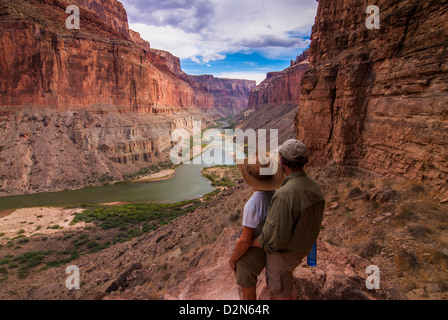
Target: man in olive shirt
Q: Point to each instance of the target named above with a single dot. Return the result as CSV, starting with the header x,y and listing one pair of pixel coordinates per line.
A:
x,y
293,221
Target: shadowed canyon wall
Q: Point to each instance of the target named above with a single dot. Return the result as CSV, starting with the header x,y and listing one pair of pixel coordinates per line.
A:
x,y
377,99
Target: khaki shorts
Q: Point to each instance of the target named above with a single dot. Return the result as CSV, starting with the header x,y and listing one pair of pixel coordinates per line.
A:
x,y
279,269
249,267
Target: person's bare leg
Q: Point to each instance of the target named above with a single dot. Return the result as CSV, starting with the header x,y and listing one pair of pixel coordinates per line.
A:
x,y
249,293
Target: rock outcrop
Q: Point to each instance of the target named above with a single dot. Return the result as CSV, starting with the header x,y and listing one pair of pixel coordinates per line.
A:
x,y
281,88
42,150
44,65
111,12
376,100
103,63
230,96
273,103
83,88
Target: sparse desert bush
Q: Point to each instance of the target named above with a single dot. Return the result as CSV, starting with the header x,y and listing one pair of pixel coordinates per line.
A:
x,y
355,192
417,189
368,249
405,261
419,231
406,213
442,282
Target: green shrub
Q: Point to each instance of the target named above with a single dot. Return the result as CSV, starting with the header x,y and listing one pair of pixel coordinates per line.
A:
x,y
110,217
92,244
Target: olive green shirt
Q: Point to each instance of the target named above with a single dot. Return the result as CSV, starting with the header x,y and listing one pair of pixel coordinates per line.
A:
x,y
295,216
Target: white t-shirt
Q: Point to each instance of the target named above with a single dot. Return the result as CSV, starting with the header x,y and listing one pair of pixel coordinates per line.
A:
x,y
256,209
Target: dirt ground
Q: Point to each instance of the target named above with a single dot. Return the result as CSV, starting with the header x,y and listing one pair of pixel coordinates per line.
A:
x,y
33,221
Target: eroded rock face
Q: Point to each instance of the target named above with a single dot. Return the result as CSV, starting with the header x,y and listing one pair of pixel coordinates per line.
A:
x,y
281,88
111,12
273,103
45,150
230,96
104,63
67,72
377,99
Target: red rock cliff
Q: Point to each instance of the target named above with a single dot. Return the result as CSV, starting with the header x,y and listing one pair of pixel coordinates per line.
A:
x,y
102,64
111,12
230,96
282,87
377,99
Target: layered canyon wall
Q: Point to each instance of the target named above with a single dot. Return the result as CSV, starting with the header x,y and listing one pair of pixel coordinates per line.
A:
x,y
230,96
273,103
79,104
46,65
376,99
282,87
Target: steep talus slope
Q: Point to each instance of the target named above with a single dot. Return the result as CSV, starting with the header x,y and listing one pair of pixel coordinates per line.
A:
x,y
188,259
377,99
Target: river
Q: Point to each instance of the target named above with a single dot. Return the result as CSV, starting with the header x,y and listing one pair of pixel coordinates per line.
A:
x,y
187,183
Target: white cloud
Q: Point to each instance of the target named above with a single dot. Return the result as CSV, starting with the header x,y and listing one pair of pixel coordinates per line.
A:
x,y
206,30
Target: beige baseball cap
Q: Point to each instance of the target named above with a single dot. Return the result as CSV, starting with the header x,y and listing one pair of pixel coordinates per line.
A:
x,y
292,149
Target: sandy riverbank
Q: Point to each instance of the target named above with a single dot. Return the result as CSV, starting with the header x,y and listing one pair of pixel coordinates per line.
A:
x,y
162,175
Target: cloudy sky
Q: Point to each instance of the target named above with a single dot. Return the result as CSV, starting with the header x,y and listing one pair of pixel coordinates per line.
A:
x,y
227,38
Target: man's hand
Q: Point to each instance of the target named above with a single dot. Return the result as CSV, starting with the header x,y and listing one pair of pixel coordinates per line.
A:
x,y
256,243
232,264
244,243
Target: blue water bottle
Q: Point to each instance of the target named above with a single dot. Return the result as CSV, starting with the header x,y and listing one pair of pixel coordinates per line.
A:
x,y
312,257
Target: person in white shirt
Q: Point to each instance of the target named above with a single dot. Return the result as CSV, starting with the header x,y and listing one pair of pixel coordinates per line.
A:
x,y
247,261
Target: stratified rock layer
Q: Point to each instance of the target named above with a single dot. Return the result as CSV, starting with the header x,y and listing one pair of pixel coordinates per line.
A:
x,y
48,66
230,96
377,99
69,99
45,150
103,63
273,103
282,87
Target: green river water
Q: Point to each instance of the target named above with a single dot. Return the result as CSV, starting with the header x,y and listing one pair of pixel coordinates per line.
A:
x,y
187,183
